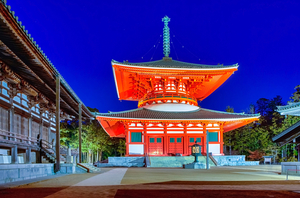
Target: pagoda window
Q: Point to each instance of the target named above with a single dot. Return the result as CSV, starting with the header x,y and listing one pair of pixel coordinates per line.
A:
x,y
172,140
198,140
213,137
192,140
152,140
178,140
136,137
158,140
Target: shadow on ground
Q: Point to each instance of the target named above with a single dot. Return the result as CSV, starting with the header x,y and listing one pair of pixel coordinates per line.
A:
x,y
122,193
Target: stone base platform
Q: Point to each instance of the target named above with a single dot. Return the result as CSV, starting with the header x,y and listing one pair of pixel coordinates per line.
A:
x,y
293,168
234,160
17,172
176,161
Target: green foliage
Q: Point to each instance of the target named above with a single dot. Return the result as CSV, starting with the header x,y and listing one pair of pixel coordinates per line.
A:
x,y
257,136
94,139
229,109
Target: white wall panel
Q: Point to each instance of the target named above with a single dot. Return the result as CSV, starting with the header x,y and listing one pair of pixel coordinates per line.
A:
x,y
214,148
136,149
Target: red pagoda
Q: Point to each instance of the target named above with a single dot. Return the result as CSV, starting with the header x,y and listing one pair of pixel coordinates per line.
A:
x,y
168,119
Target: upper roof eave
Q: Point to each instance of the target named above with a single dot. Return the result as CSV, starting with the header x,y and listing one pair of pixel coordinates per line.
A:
x,y
174,64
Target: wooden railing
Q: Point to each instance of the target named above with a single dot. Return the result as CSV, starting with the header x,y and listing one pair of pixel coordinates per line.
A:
x,y
10,137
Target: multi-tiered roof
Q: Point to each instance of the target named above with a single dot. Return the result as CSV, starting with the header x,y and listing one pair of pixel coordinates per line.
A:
x,y
168,91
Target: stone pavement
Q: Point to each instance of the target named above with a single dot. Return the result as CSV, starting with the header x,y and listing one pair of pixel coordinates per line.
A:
x,y
251,181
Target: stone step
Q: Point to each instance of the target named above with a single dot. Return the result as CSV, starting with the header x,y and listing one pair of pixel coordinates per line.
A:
x,y
176,161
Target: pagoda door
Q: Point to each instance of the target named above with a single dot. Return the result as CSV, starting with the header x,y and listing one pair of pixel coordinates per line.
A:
x,y
192,142
175,145
155,146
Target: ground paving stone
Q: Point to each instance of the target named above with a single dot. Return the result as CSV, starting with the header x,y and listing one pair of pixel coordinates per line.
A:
x,y
254,181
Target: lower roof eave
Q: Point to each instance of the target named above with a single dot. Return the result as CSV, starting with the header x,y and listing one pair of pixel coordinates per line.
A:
x,y
176,120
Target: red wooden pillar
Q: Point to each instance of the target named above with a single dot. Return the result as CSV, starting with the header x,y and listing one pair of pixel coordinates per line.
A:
x,y
127,137
185,142
145,139
165,139
204,137
221,139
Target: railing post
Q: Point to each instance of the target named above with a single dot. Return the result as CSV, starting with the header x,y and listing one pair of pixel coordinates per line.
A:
x,y
57,165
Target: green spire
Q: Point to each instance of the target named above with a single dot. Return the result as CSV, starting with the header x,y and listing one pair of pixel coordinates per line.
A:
x,y
166,38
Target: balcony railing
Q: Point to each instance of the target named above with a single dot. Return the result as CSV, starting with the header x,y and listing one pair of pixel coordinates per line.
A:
x,y
167,97
15,138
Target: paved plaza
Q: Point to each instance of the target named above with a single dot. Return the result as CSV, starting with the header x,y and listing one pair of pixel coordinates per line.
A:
x,y
247,181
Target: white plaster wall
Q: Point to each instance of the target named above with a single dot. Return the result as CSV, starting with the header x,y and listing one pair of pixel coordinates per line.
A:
x,y
136,149
171,107
214,148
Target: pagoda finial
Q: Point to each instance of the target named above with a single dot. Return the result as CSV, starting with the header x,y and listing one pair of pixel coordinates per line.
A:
x,y
166,38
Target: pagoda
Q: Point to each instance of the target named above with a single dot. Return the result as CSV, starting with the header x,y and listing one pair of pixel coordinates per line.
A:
x,y
168,119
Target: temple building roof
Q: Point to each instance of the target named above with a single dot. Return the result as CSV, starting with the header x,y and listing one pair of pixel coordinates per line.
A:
x,y
293,108
289,135
167,62
199,114
26,59
112,122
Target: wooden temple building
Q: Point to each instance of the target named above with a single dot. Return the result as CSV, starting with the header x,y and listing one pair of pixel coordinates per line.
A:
x,y
34,97
168,119
291,134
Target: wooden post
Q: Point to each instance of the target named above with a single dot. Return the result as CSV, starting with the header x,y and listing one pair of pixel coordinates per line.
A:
x,y
80,128
145,139
204,137
28,155
185,140
221,139
14,155
207,149
166,148
57,114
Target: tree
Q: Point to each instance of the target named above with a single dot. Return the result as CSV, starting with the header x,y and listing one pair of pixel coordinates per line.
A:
x,y
94,139
229,109
296,95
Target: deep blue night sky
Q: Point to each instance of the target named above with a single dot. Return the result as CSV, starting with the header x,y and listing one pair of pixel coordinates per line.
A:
x,y
82,37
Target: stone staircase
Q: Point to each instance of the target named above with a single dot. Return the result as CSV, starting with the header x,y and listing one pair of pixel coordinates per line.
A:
x,y
174,161
89,167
